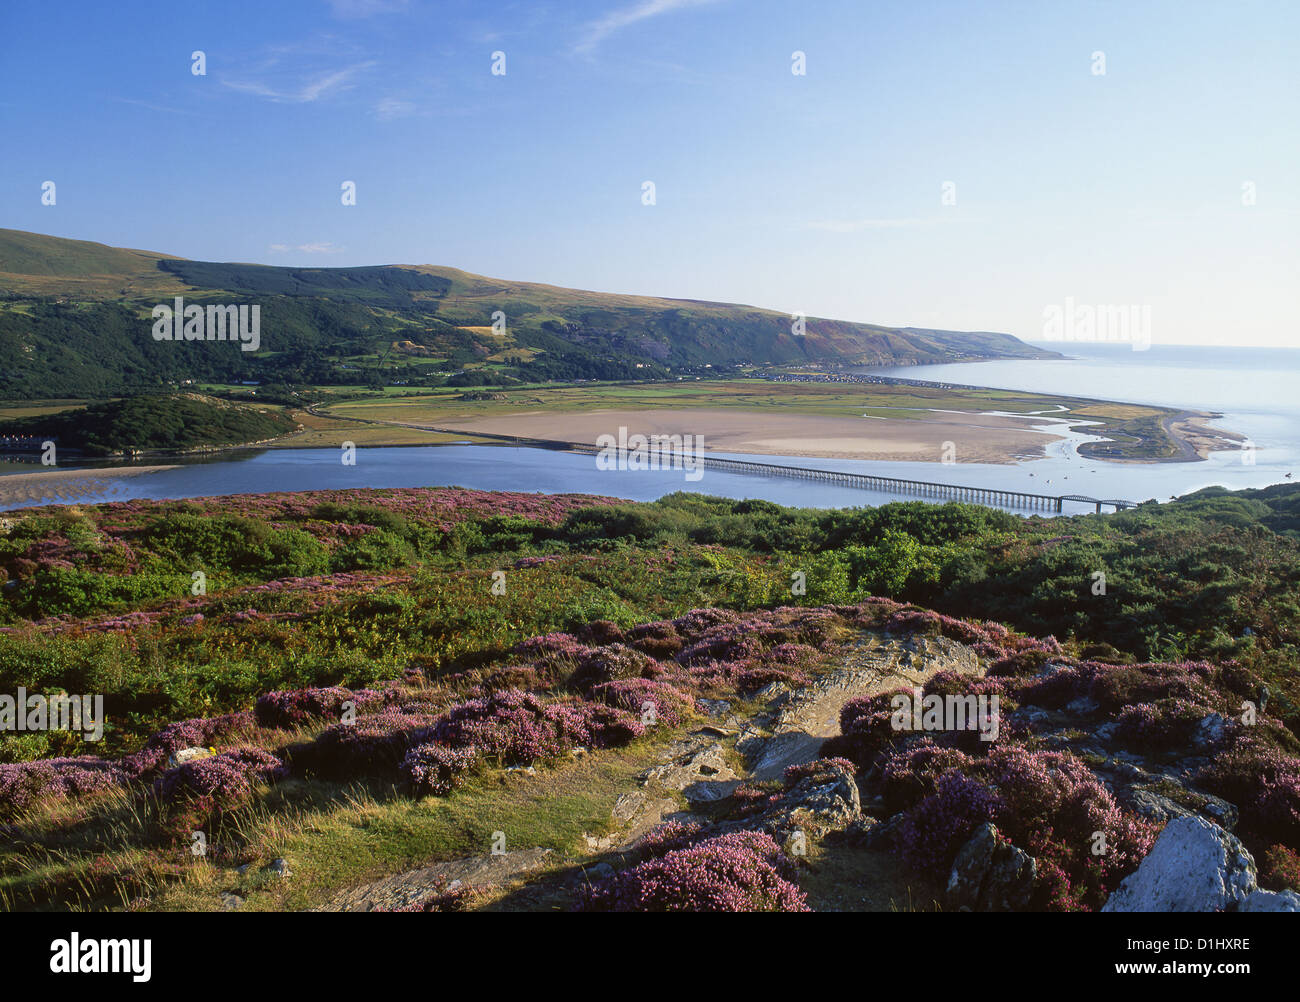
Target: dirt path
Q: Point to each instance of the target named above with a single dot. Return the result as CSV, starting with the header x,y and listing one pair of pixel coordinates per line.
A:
x,y
705,766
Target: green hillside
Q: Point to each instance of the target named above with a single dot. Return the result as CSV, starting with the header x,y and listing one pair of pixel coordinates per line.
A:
x,y
163,423
75,321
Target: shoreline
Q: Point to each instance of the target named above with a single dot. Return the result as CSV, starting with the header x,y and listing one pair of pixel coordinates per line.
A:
x,y
72,485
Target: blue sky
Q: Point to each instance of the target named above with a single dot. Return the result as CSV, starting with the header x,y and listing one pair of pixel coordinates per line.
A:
x,y
819,193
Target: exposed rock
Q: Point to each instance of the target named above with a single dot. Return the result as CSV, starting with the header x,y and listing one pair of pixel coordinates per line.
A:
x,y
1209,732
1151,805
1219,810
474,872
700,772
991,875
1261,900
230,902
184,755
884,834
812,714
817,805
1159,805
279,867
1195,866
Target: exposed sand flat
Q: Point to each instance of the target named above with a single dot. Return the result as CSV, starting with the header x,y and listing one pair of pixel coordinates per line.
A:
x,y
976,438
66,486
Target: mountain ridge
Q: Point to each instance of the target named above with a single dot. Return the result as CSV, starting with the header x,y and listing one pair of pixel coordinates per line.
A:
x,y
68,304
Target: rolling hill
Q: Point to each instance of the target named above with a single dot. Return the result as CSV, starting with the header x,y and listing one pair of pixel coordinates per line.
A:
x,y
75,321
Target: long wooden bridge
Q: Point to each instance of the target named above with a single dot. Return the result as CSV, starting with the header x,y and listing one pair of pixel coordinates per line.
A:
x,y
998,496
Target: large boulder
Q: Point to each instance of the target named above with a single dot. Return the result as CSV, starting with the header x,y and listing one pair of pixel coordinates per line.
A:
x,y
991,875
1195,866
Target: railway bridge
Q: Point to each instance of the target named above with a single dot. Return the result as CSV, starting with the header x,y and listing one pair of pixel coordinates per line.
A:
x,y
999,496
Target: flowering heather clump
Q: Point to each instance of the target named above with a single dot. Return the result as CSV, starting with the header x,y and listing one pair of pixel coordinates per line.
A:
x,y
670,704
535,675
821,768
563,645
437,769
914,621
296,707
753,679
1164,724
1051,804
747,799
933,830
519,727
666,837
792,655
1279,869
1019,664
601,631
912,773
23,784
1263,782
739,872
1046,803
375,743
1115,687
607,664
205,789
697,621
198,732
717,675
731,642
866,729
786,662
659,640
955,683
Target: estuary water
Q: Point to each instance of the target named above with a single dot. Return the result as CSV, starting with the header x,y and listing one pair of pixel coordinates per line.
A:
x,y
1255,389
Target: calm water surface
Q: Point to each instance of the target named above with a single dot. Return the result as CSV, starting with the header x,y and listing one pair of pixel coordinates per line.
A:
x,y
1253,388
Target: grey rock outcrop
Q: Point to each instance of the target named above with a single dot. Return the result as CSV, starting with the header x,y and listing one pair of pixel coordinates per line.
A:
x,y
991,875
1195,866
1261,900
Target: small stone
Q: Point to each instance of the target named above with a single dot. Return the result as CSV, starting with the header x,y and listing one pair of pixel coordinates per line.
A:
x,y
190,754
280,868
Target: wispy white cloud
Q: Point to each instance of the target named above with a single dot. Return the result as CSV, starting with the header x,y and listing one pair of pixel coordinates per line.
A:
x,y
595,32
320,247
151,107
303,91
393,107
